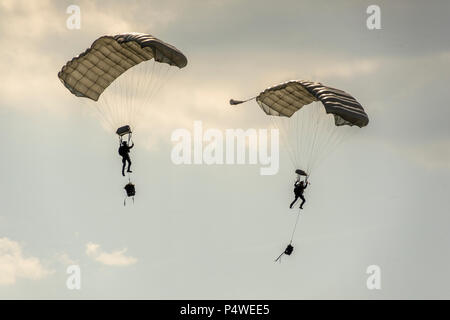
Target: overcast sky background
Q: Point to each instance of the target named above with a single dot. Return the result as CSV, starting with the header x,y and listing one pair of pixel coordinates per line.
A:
x,y
212,232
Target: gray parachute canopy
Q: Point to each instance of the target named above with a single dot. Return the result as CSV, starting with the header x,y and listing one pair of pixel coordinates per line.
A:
x,y
91,72
287,98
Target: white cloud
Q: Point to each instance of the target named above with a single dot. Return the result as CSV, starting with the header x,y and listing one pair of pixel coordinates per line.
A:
x,y
92,249
14,265
65,259
115,258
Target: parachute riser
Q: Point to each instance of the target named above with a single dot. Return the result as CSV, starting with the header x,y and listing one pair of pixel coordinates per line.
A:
x,y
128,139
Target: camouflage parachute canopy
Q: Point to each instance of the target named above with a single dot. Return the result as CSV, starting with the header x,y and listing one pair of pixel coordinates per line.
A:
x,y
287,98
91,72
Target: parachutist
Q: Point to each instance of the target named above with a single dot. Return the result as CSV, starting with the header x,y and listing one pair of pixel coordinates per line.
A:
x,y
299,187
307,130
124,151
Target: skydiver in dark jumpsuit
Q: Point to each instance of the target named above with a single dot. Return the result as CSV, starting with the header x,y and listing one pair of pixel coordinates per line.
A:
x,y
299,187
124,151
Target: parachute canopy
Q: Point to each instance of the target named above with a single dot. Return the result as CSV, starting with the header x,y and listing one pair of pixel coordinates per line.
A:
x,y
287,98
91,72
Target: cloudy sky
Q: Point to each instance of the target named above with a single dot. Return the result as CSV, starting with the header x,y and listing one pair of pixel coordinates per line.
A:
x,y
198,231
